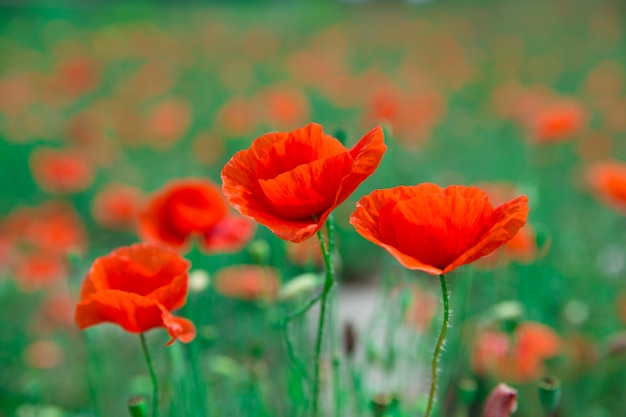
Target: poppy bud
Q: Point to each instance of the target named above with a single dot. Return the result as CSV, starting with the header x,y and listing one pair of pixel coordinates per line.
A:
x,y
466,390
349,339
138,406
502,401
549,393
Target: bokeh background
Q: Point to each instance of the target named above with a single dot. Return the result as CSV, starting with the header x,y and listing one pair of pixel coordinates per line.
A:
x,y
101,104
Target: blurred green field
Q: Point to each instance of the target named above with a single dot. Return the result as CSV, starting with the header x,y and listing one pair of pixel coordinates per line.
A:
x,y
529,94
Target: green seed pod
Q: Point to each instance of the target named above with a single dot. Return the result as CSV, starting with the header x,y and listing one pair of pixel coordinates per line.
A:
x,y
138,406
549,393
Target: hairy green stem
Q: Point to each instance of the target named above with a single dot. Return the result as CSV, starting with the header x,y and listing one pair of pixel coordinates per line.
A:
x,y
442,336
153,376
328,286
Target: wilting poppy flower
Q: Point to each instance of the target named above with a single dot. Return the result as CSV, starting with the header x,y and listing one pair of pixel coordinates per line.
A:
x,y
608,182
117,206
60,171
436,230
518,357
247,282
292,181
137,287
190,208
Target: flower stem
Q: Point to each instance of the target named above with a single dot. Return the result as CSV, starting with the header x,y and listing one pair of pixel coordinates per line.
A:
x,y
328,286
155,383
444,329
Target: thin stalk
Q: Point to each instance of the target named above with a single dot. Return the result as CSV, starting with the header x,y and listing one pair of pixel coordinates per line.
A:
x,y
328,286
442,336
153,376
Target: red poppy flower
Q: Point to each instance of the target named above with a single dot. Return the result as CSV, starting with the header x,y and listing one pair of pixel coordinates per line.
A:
x,y
518,357
247,282
436,230
608,181
292,181
117,206
60,171
193,208
137,287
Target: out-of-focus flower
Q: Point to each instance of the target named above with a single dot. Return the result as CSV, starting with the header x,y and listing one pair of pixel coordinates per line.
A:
x,y
35,271
501,402
54,227
137,287
44,354
56,311
247,282
238,117
608,182
168,122
117,206
285,107
292,181
556,123
305,253
518,357
189,208
77,76
421,310
60,171
207,148
436,230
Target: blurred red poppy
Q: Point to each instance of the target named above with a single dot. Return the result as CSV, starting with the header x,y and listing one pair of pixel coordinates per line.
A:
x,y
117,206
189,208
556,123
168,122
39,270
247,282
60,171
436,230
608,182
292,181
518,357
53,227
422,309
307,253
137,287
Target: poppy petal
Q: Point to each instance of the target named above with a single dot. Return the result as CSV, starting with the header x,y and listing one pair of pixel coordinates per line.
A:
x,y
178,328
132,312
507,220
307,190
